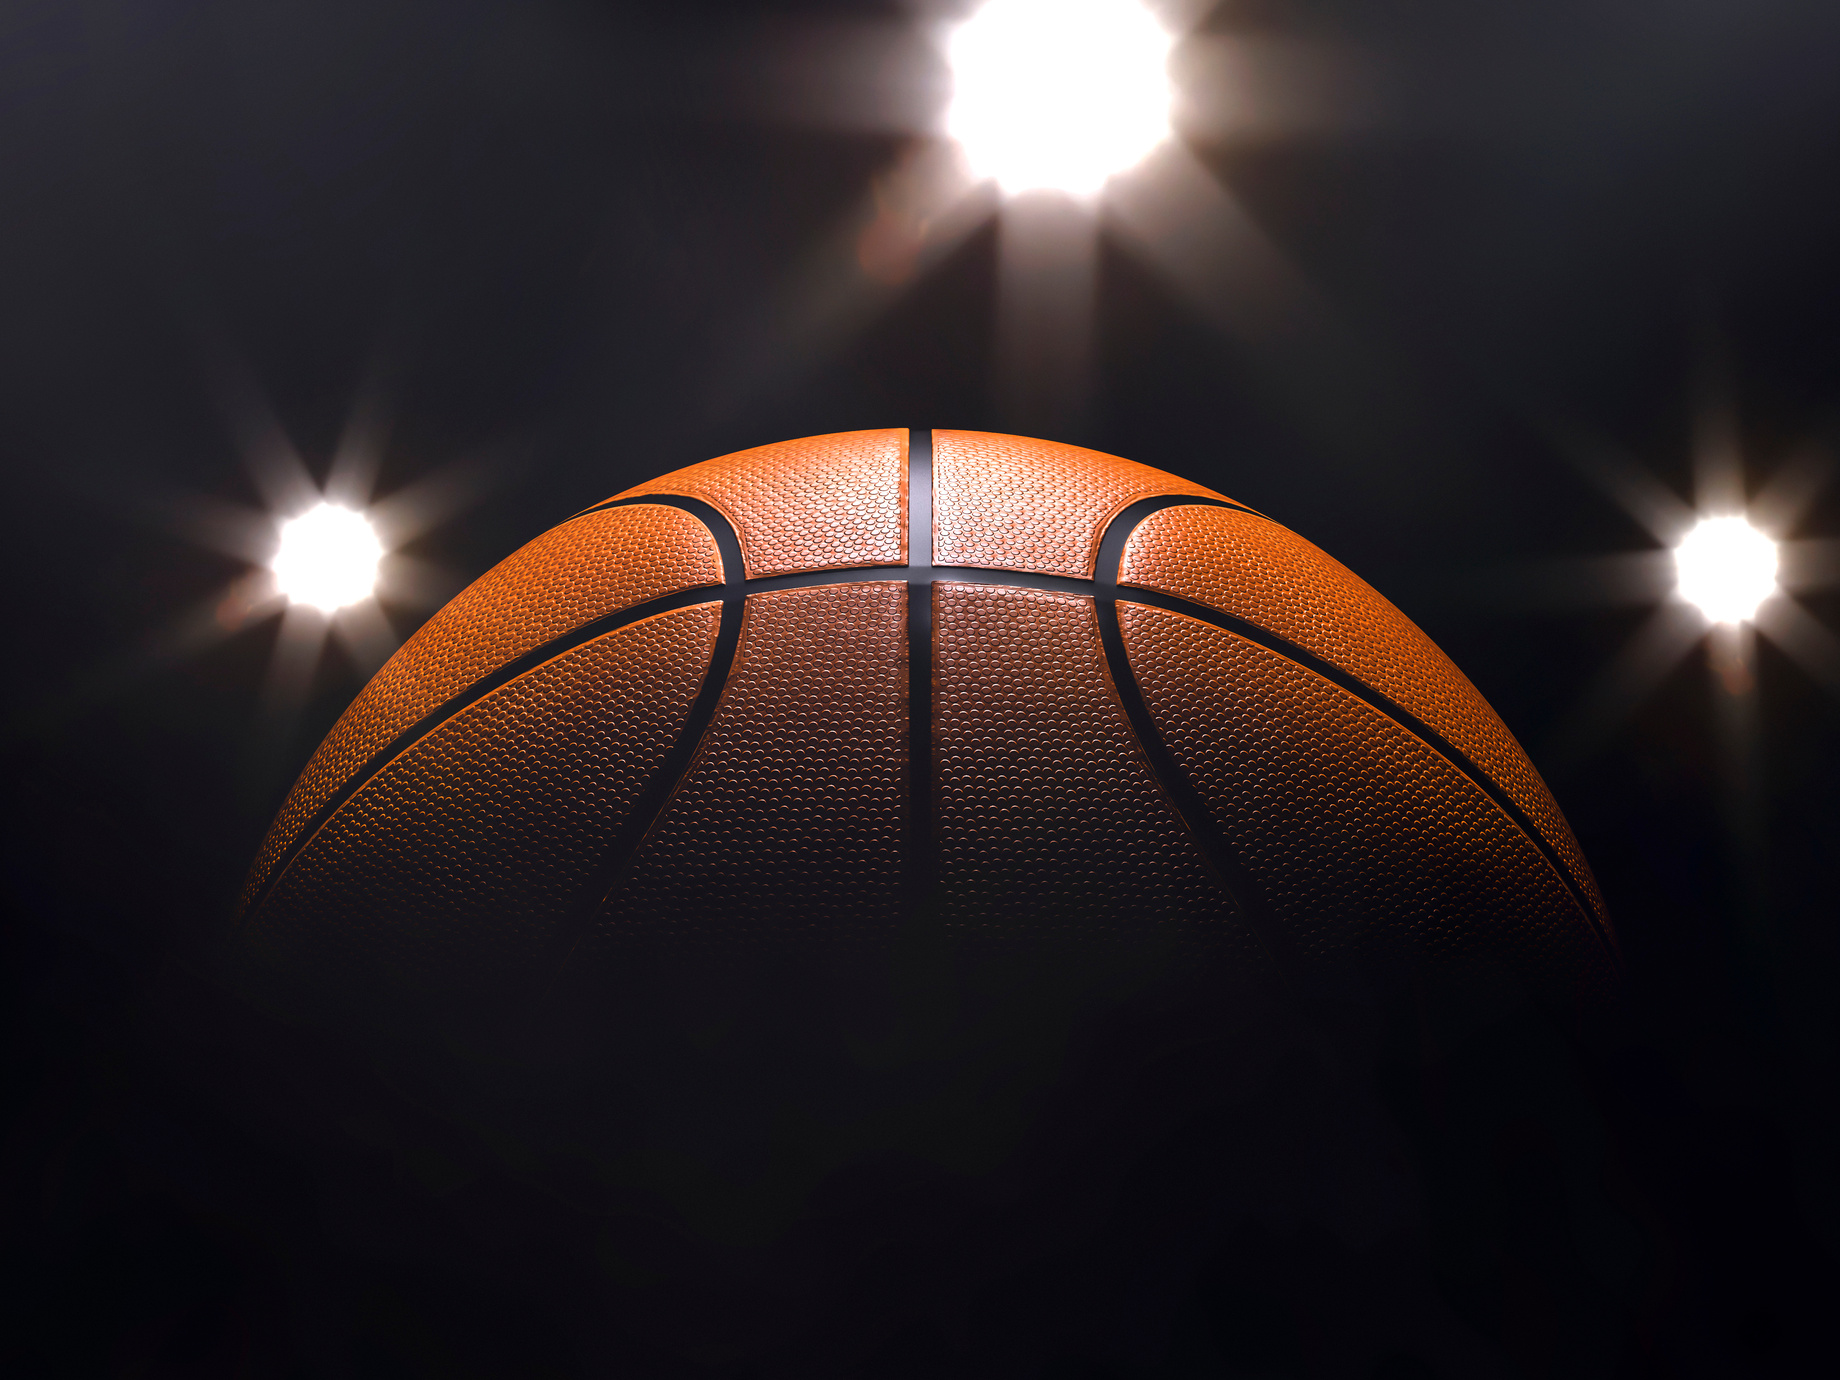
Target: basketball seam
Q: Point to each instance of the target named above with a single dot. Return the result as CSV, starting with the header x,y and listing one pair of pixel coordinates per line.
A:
x,y
1103,588
922,863
1106,573
1429,736
1190,807
510,671
611,623
679,760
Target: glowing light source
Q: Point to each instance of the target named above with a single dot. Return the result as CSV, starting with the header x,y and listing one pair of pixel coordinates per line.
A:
x,y
1726,568
1058,94
327,558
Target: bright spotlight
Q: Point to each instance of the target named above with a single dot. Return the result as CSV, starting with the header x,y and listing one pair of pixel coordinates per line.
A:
x,y
328,558
1726,568
1058,94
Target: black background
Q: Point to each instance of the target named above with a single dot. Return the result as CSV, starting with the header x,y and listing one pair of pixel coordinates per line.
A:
x,y
549,243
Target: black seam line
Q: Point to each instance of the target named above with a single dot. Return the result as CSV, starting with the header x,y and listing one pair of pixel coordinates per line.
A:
x,y
1111,557
1400,715
1189,804
1125,520
728,545
728,548
735,590
921,861
679,759
600,627
478,690
1186,799
1161,501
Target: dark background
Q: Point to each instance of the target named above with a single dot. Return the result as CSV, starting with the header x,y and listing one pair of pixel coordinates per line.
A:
x,y
549,244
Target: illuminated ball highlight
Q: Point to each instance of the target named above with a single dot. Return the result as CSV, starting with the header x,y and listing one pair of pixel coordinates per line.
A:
x,y
1058,94
1726,568
328,558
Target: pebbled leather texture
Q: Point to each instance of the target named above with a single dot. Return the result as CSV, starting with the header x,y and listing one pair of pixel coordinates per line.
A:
x,y
1012,503
588,567
692,927
1048,815
817,504
791,820
462,857
1257,570
781,810
1363,840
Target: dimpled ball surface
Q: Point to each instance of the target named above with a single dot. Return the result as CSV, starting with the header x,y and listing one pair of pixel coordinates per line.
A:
x,y
863,691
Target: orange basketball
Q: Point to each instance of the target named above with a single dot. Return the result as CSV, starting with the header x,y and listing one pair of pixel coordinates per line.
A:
x,y
824,694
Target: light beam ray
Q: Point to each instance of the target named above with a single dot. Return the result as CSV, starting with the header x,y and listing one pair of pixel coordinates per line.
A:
x,y
425,503
1245,88
1718,464
1175,214
270,754
1732,655
366,636
280,474
419,584
1809,564
1786,494
230,528
1047,285
1630,577
351,477
1806,640
190,633
1176,217
1645,660
926,206
1661,512
289,678
858,75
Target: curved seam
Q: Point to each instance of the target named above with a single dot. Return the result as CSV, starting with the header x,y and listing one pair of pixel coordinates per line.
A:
x,y
1152,503
1112,546
1190,806
679,761
728,549
726,524
579,636
721,529
680,758
515,669
1104,588
693,505
1375,699
686,753
1407,720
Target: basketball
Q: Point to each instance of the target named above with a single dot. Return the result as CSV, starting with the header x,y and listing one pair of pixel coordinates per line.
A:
x,y
809,691
895,833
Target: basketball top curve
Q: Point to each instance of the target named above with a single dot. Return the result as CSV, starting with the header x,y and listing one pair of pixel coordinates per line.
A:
x,y
819,691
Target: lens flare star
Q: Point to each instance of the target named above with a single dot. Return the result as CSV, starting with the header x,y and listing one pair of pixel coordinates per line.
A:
x,y
327,558
1721,582
1726,568
1058,95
